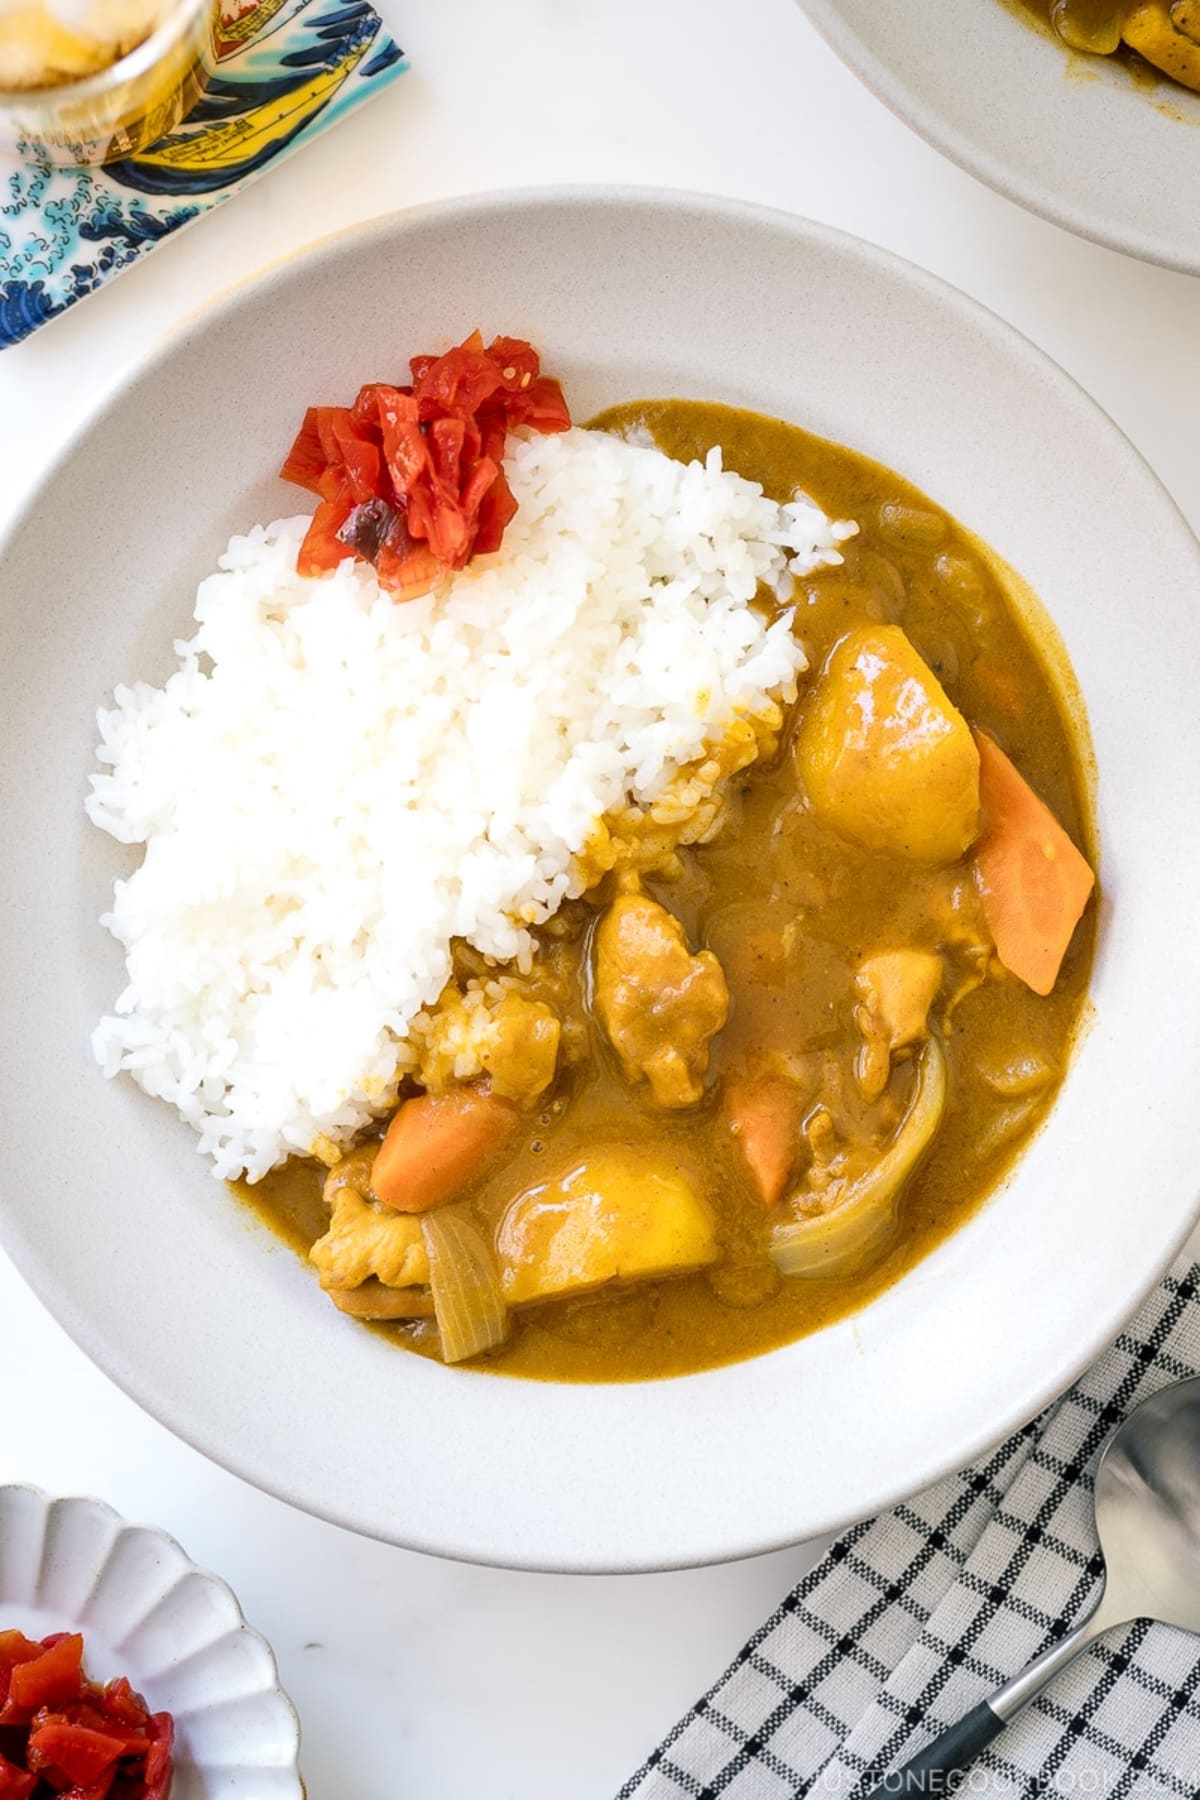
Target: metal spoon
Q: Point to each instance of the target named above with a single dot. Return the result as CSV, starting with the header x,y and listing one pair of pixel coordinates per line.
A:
x,y
1147,1504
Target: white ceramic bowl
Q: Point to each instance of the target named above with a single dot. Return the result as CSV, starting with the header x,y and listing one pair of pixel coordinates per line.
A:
x,y
145,1611
1070,137
222,1333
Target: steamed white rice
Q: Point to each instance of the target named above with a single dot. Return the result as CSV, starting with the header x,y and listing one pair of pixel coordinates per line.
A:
x,y
332,786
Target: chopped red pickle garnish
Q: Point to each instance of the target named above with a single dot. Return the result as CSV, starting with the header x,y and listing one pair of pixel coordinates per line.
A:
x,y
63,1735
411,479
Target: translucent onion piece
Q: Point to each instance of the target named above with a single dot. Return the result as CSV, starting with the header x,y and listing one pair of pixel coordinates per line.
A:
x,y
861,1221
465,1283
1093,26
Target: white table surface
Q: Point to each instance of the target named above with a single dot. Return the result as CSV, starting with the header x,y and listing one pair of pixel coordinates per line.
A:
x,y
416,1677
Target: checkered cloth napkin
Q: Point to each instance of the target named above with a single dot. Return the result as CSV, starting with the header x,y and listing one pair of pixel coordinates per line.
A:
x,y
914,1617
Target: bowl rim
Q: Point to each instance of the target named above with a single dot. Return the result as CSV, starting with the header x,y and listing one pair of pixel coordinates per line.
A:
x,y
1023,1401
874,73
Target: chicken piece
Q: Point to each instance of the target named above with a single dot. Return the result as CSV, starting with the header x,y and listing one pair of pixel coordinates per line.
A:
x,y
377,1303
658,1003
489,1029
883,754
1163,34
523,1054
368,1247
620,1215
352,1170
896,989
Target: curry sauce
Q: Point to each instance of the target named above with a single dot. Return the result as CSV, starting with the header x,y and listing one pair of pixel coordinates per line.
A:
x,y
790,907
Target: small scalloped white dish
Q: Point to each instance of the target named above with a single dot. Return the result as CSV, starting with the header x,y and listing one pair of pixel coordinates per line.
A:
x,y
147,1612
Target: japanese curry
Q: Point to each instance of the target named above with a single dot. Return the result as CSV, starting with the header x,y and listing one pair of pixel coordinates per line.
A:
x,y
802,1022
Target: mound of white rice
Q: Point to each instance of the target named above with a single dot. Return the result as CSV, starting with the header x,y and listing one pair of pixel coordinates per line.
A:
x,y
332,786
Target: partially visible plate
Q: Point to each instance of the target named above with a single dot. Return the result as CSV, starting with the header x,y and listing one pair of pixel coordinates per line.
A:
x,y
1070,137
147,1612
221,1332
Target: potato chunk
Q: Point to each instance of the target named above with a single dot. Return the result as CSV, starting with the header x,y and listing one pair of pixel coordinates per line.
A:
x,y
1157,32
883,754
658,1003
618,1215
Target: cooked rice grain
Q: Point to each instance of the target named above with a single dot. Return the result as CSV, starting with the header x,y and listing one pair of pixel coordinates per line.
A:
x,y
331,786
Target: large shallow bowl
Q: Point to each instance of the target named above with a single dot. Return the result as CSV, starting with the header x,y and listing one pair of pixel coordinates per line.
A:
x,y
224,1335
177,1633
1071,137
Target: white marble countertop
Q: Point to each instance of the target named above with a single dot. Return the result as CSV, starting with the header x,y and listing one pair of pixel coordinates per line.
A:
x,y
416,1677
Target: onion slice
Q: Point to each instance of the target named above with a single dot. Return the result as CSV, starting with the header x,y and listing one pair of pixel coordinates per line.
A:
x,y
465,1284
863,1216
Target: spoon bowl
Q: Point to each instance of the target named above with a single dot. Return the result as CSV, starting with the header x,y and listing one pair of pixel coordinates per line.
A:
x,y
1147,1500
1147,1506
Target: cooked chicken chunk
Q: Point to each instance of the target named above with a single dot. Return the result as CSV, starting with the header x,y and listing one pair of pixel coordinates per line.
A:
x,y
490,1029
523,1054
621,1215
896,990
658,1003
372,1261
375,1302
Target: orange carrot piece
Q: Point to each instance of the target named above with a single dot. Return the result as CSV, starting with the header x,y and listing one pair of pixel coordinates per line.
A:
x,y
764,1116
436,1143
1035,883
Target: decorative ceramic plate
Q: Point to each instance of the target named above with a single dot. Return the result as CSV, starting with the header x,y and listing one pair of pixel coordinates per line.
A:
x,y
1071,137
145,1611
222,1332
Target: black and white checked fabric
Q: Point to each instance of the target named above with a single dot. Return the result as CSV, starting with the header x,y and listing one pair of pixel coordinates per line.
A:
x,y
915,1616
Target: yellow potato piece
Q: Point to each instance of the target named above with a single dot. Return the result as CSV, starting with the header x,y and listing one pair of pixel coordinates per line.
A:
x,y
1151,30
883,754
618,1215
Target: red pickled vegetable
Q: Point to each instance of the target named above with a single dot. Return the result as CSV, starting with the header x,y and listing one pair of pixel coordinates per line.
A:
x,y
322,548
46,1680
410,479
15,1783
64,1736
157,1774
15,1648
83,1755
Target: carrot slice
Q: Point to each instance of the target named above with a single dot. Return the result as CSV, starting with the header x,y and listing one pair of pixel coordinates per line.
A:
x,y
764,1116
1034,882
437,1142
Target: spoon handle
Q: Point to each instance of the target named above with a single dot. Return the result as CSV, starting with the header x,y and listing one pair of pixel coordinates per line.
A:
x,y
958,1746
955,1749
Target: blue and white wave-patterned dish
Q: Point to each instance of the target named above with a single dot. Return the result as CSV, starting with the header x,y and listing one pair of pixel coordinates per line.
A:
x,y
285,70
